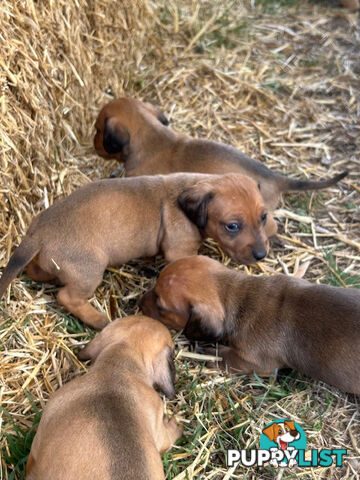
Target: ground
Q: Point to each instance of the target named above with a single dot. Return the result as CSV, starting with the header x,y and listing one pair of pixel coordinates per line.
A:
x,y
278,80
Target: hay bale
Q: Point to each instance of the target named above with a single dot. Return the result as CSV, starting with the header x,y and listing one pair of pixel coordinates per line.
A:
x,y
279,80
60,61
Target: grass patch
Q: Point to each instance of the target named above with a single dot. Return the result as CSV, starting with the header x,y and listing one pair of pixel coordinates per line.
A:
x,y
351,280
275,86
229,414
19,440
273,6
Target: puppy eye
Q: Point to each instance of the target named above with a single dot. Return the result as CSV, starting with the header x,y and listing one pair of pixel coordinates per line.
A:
x,y
263,218
233,227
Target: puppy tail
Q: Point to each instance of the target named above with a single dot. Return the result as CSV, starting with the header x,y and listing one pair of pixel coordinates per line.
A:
x,y
23,254
288,184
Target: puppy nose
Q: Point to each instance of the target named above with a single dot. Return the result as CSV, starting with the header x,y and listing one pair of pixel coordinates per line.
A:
x,y
259,254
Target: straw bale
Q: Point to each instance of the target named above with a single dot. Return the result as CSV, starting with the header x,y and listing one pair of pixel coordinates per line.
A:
x,y
278,79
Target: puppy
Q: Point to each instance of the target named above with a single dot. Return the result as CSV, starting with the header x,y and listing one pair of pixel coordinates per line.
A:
x,y
110,423
267,322
110,222
137,134
282,433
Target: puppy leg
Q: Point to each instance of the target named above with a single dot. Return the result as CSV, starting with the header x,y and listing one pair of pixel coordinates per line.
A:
x,y
76,302
172,432
233,362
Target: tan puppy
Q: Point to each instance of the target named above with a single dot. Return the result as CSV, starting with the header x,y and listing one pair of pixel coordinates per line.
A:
x,y
110,423
136,133
110,222
267,322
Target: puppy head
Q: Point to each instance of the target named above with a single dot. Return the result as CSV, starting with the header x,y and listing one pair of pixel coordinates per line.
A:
x,y
186,297
230,209
118,123
148,341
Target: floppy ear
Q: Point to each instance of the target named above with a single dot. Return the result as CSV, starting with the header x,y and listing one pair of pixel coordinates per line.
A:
x,y
271,432
194,203
164,372
116,137
205,323
290,424
92,349
271,226
148,305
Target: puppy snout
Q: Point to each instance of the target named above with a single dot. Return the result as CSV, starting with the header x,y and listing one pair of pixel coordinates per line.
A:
x,y
259,254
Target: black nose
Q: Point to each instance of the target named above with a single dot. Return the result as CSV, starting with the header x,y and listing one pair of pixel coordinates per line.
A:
x,y
259,254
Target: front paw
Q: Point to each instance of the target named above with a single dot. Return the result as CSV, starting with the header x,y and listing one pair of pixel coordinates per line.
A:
x,y
175,428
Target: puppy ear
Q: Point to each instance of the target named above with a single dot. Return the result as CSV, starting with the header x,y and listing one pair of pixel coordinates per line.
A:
x,y
271,432
148,305
291,424
164,372
116,137
205,323
92,349
271,226
194,204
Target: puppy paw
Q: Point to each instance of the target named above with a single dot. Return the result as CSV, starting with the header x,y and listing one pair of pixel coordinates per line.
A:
x,y
98,321
174,429
178,429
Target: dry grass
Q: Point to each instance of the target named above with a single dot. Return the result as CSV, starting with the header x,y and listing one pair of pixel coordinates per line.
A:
x,y
280,80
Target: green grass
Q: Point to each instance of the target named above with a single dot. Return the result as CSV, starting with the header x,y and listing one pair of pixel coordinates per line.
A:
x,y
221,415
300,202
72,325
275,86
273,6
19,440
227,37
350,206
351,280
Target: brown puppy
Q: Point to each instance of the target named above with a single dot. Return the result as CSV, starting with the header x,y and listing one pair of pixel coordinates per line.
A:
x,y
267,322
136,133
110,222
110,423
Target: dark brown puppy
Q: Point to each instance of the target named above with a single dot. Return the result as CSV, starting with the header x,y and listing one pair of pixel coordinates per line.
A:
x,y
110,222
110,423
267,322
136,133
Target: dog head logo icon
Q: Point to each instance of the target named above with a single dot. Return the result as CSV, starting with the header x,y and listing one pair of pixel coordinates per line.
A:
x,y
282,438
